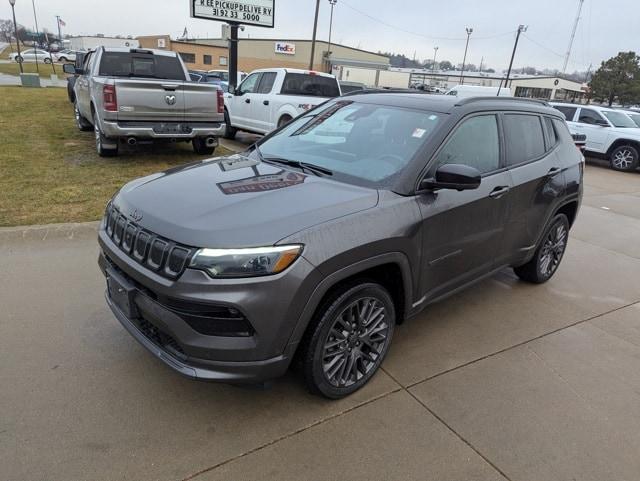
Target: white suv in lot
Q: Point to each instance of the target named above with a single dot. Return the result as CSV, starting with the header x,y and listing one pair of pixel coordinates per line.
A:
x,y
610,133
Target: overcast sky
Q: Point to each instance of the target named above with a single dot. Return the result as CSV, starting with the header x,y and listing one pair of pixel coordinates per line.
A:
x,y
606,26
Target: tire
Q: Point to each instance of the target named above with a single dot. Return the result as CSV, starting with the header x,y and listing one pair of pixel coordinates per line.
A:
x,y
82,123
326,359
284,120
47,60
624,158
200,147
19,59
548,255
62,59
100,140
230,132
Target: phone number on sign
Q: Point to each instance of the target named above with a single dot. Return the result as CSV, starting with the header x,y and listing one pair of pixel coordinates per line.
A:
x,y
231,14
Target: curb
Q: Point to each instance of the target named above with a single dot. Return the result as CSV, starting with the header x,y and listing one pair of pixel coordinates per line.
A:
x,y
78,230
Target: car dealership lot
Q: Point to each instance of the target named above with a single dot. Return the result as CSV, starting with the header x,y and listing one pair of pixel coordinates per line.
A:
x,y
503,381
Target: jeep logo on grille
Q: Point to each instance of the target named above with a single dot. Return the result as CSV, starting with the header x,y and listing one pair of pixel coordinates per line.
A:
x,y
137,216
170,99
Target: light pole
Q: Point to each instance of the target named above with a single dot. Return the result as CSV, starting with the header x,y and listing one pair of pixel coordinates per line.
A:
x,y
333,4
521,28
313,39
35,18
15,28
433,66
464,60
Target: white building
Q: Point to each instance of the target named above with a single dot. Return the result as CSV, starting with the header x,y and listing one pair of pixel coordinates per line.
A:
x,y
86,43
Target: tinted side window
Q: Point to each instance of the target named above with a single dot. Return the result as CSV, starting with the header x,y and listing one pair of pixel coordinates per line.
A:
x,y
313,85
524,138
551,133
474,143
266,82
588,116
568,112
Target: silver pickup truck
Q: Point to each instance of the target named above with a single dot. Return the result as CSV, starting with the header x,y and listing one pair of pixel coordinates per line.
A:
x,y
132,95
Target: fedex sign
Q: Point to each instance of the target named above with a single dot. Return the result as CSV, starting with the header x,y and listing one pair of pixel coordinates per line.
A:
x,y
286,48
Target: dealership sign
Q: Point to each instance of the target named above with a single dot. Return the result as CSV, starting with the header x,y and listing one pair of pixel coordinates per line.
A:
x,y
249,12
286,48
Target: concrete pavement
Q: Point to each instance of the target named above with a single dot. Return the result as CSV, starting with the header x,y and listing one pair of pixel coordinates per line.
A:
x,y
503,381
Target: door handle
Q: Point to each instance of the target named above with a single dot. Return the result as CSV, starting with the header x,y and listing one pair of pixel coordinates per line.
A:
x,y
553,172
265,102
247,101
499,192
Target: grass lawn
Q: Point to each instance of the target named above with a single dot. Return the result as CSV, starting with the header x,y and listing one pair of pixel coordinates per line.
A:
x,y
30,67
50,171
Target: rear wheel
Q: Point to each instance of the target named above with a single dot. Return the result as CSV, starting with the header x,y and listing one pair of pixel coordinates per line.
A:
x,y
19,59
284,120
348,340
230,132
111,149
624,158
548,256
47,60
82,123
200,147
62,59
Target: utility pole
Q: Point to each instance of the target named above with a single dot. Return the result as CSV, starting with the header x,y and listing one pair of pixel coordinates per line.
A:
x,y
573,36
59,30
313,39
35,18
521,28
481,62
15,28
464,60
433,66
586,77
333,4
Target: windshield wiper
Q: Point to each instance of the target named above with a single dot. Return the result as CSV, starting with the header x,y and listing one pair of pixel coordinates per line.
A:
x,y
314,169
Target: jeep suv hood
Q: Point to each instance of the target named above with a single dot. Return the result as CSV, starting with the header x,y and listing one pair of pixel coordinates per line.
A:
x,y
237,202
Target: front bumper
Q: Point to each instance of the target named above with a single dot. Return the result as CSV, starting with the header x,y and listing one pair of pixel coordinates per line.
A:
x,y
153,130
272,305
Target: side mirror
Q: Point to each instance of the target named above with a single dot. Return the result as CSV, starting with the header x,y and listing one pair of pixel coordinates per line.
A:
x,y
454,176
70,69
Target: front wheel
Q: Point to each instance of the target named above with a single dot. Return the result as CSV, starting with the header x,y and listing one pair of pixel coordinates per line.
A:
x,y
348,340
47,60
62,59
19,59
624,158
547,258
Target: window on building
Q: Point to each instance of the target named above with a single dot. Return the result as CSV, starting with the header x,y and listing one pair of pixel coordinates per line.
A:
x,y
188,57
206,59
533,93
524,138
475,143
223,61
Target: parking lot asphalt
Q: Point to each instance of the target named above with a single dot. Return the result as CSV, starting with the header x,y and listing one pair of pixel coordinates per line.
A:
x,y
503,381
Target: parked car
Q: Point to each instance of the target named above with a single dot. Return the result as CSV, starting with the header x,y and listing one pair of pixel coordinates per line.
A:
x,y
304,248
224,75
611,134
71,79
31,55
270,98
206,77
464,91
65,55
137,94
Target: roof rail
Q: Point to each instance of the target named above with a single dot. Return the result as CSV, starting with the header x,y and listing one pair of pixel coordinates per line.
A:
x,y
469,100
383,91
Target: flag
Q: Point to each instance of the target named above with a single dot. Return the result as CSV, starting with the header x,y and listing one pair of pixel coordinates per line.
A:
x,y
62,22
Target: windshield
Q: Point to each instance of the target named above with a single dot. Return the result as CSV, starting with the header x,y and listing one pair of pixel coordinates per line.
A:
x,y
635,117
360,143
618,119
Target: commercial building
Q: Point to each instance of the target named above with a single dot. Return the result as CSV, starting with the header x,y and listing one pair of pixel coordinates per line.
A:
x,y
196,56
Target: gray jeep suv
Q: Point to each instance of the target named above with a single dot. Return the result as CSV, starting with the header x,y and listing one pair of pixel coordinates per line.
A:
x,y
328,232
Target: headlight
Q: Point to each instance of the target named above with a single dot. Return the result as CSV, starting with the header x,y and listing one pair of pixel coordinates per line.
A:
x,y
255,261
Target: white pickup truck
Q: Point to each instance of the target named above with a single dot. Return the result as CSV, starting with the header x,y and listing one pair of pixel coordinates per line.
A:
x,y
270,98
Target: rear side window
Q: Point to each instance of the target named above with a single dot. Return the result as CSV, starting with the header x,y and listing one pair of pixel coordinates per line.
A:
x,y
551,133
569,112
310,85
562,130
266,82
524,138
475,143
128,64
